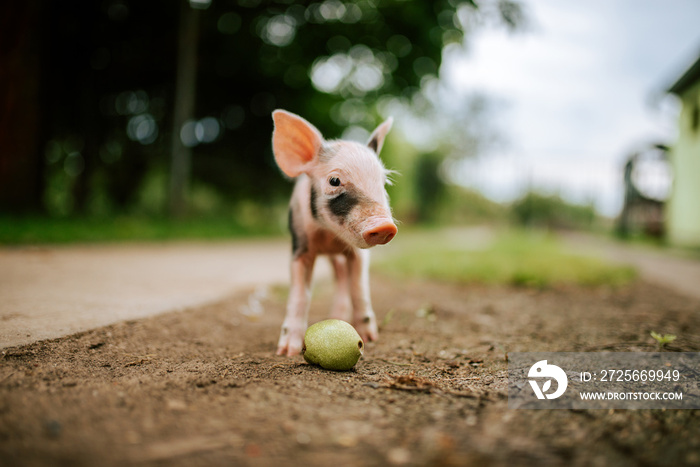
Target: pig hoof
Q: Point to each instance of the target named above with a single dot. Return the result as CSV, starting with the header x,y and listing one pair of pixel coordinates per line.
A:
x,y
289,349
367,329
290,342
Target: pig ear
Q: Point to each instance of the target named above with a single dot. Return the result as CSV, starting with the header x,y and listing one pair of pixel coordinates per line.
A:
x,y
376,139
295,142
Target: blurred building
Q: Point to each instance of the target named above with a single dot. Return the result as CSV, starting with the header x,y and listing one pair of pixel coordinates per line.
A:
x,y
683,211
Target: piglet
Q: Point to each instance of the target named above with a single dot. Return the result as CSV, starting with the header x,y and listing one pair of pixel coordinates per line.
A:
x,y
339,208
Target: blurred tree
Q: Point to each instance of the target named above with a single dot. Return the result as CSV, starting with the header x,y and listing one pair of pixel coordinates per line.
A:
x,y
429,186
105,93
107,89
185,92
20,52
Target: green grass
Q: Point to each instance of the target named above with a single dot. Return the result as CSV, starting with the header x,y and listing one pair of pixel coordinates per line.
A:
x,y
47,230
523,258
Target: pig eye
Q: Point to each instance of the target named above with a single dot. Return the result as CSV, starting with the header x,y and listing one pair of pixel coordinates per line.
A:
x,y
334,181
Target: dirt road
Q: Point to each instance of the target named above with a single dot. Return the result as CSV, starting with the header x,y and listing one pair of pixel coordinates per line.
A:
x,y
49,292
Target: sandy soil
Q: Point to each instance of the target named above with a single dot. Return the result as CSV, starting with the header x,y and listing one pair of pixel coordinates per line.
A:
x,y
202,386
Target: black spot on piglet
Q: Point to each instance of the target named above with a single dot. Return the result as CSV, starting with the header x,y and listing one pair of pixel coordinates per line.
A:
x,y
342,204
312,203
298,239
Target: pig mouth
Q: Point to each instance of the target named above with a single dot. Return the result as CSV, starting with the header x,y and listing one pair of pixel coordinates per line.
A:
x,y
351,237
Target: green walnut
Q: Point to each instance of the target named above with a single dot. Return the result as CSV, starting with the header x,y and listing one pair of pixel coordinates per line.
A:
x,y
332,344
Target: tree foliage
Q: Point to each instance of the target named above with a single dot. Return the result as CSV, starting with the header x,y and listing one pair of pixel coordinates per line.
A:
x,y
107,85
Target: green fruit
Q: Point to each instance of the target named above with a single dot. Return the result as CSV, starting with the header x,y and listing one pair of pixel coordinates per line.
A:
x,y
332,344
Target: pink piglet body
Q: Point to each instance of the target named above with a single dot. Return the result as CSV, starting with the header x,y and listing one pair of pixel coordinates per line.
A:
x,y
340,208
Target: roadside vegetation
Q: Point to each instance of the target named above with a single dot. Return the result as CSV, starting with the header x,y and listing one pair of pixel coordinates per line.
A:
x,y
520,257
34,230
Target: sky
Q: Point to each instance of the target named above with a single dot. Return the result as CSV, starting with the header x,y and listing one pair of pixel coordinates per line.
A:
x,y
575,93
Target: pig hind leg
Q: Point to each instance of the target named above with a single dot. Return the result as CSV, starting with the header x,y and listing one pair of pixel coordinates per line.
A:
x,y
341,299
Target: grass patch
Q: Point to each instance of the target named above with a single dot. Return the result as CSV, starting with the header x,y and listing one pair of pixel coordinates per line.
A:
x,y
523,258
47,230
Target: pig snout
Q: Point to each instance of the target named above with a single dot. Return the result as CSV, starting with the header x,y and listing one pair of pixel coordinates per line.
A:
x,y
379,233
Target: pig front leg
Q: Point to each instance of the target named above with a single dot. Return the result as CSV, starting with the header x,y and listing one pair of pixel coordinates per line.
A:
x,y
341,299
295,321
363,318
